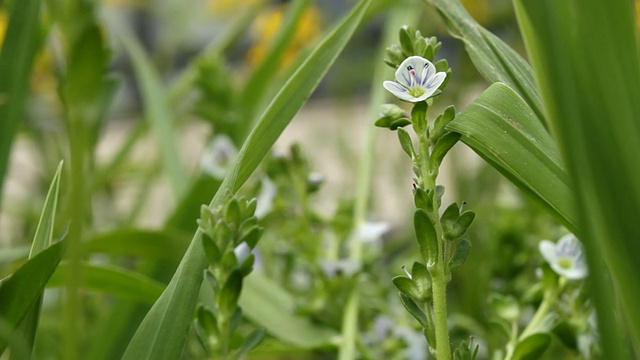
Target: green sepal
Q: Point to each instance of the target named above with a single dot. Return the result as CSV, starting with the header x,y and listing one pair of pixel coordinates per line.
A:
x,y
462,224
399,123
250,208
422,279
415,310
230,293
247,226
222,235
394,55
406,286
406,143
461,253
449,218
406,40
207,327
506,307
532,347
211,280
441,65
250,342
442,147
419,117
229,261
420,46
438,126
233,213
236,320
426,236
247,265
422,199
252,236
211,250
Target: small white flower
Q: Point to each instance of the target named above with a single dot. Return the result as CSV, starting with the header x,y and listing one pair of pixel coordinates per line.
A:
x,y
416,80
219,156
242,252
371,232
565,257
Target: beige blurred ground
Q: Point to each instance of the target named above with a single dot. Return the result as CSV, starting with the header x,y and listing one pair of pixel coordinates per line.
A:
x,y
332,134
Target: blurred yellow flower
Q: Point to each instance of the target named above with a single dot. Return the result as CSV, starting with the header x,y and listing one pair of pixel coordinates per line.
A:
x,y
3,24
268,23
229,6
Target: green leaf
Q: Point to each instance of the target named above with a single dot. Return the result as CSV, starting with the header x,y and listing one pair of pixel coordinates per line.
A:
x,y
267,304
161,334
426,235
125,284
158,113
230,293
503,130
532,347
460,255
253,339
594,111
406,143
406,286
414,310
495,61
16,59
23,288
146,244
442,147
42,239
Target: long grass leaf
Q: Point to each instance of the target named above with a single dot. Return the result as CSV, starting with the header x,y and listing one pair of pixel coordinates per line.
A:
x,y
162,333
504,131
589,78
158,113
495,61
23,288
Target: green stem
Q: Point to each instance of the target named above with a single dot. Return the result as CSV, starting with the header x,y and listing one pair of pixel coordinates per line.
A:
x,y
550,296
438,278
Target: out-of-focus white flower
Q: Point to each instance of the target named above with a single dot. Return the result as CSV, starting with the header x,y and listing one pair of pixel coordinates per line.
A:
x,y
345,267
416,80
242,252
371,232
565,257
265,198
219,156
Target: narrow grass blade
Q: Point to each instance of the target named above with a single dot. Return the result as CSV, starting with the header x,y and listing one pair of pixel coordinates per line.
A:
x,y
158,113
125,284
16,59
163,331
22,289
589,78
42,239
495,61
504,131
145,244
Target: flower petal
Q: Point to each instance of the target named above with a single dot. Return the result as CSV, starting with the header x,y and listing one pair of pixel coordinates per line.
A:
x,y
548,251
399,91
435,81
403,73
428,71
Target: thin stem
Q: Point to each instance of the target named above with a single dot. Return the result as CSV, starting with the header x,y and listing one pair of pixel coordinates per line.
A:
x,y
550,296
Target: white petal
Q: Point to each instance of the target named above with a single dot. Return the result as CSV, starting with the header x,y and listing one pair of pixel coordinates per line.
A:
x,y
399,91
428,71
218,157
548,251
268,192
417,63
372,231
436,81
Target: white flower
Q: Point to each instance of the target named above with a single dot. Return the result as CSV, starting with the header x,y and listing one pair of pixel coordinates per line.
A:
x,y
219,156
416,80
266,196
370,232
565,257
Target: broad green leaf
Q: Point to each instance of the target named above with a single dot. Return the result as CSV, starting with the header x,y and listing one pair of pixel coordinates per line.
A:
x,y
16,58
158,113
495,60
125,284
42,239
266,303
504,131
589,77
146,244
162,333
23,288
